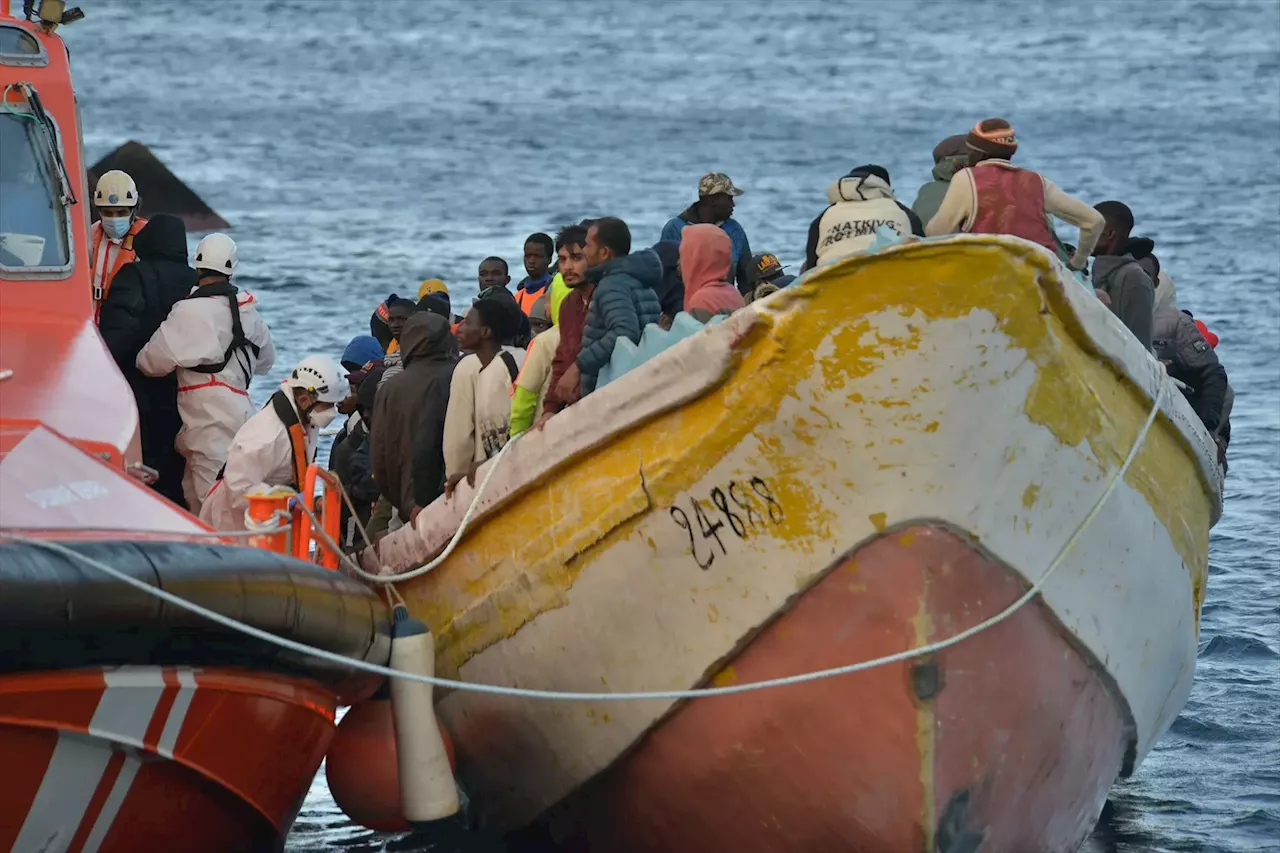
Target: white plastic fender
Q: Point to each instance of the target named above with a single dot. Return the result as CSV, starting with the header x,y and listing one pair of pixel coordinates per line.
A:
x,y
427,788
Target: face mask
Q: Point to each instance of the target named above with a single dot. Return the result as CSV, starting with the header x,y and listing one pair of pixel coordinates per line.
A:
x,y
115,227
321,418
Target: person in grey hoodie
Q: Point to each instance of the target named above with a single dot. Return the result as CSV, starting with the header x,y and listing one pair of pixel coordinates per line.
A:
x,y
625,299
949,157
1115,272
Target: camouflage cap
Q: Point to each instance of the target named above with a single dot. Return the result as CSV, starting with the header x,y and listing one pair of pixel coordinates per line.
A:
x,y
715,183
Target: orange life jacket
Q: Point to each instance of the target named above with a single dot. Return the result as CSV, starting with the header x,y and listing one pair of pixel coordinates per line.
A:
x,y
525,299
107,259
297,437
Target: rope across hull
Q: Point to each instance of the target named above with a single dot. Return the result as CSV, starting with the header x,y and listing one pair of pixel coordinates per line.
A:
x,y
658,529
1006,742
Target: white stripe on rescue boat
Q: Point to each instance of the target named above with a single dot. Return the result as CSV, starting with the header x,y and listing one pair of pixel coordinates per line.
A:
x,y
178,713
127,705
76,768
110,808
74,772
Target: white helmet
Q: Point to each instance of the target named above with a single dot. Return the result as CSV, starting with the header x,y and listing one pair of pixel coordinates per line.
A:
x,y
320,376
217,253
115,189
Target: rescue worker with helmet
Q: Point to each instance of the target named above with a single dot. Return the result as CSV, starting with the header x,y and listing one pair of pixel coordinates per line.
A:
x,y
276,445
216,342
116,199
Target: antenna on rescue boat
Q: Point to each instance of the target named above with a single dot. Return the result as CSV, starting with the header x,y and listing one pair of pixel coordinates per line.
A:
x,y
50,13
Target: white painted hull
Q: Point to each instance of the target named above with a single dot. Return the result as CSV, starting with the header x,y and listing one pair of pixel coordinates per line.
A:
x,y
931,383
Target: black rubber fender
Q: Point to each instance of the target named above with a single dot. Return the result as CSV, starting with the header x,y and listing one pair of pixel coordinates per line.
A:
x,y
57,612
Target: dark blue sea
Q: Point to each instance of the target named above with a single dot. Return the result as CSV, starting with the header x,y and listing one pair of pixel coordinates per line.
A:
x,y
359,148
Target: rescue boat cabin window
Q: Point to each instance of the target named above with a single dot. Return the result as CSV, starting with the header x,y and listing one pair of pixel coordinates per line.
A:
x,y
19,47
34,233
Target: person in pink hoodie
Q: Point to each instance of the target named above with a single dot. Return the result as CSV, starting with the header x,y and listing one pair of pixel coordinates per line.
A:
x,y
705,257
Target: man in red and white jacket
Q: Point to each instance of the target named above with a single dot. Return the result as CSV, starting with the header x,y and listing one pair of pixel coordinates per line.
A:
x,y
993,196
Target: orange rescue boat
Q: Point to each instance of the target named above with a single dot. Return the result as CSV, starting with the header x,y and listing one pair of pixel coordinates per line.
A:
x,y
126,723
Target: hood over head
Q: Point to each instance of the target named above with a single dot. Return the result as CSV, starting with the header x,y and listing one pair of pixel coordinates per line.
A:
x,y
164,236
861,184
365,395
950,156
952,146
644,266
362,350
706,254
1139,247
425,336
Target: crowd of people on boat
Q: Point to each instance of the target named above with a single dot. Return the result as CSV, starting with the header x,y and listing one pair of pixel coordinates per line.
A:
x,y
430,395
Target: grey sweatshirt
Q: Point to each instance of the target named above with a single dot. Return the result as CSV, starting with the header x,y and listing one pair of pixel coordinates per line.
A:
x,y
1132,293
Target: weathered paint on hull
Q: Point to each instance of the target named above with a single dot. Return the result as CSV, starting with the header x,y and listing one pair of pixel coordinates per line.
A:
x,y
1008,740
645,538
144,758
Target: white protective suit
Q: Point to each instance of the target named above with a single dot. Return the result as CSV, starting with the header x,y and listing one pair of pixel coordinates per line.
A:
x,y
260,454
213,406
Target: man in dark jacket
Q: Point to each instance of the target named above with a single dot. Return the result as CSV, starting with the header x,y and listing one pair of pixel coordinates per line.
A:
x,y
1117,274
140,297
950,156
1188,357
407,441
715,204
625,298
349,459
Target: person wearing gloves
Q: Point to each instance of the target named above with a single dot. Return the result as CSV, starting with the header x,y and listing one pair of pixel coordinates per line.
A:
x,y
216,342
116,199
276,445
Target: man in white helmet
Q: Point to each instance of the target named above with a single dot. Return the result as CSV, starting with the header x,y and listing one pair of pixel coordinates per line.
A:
x,y
275,446
216,342
116,199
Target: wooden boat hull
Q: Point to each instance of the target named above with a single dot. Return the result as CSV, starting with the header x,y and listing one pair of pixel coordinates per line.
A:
x,y
651,536
145,758
959,751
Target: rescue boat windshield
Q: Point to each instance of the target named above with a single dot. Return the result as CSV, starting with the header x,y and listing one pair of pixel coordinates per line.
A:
x,y
34,232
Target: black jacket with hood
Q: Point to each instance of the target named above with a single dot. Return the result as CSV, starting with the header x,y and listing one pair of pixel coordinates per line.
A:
x,y
406,446
141,294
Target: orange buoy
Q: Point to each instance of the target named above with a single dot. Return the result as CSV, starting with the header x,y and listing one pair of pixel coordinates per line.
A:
x,y
361,766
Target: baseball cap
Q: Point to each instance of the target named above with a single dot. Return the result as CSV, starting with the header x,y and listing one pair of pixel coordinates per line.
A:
x,y
766,265
716,182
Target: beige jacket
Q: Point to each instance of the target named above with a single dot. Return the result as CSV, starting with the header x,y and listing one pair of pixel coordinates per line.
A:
x,y
960,206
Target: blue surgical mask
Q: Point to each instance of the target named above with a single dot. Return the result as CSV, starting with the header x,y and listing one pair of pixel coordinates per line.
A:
x,y
115,227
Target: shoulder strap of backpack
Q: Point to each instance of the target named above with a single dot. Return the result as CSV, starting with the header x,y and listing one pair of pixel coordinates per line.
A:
x,y
510,361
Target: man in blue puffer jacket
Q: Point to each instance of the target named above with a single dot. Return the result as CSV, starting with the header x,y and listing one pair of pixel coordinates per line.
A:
x,y
715,206
625,299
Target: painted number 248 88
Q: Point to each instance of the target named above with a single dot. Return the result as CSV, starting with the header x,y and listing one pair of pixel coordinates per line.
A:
x,y
746,508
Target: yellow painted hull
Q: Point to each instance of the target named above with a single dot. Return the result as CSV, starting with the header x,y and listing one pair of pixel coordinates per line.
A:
x,y
648,534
